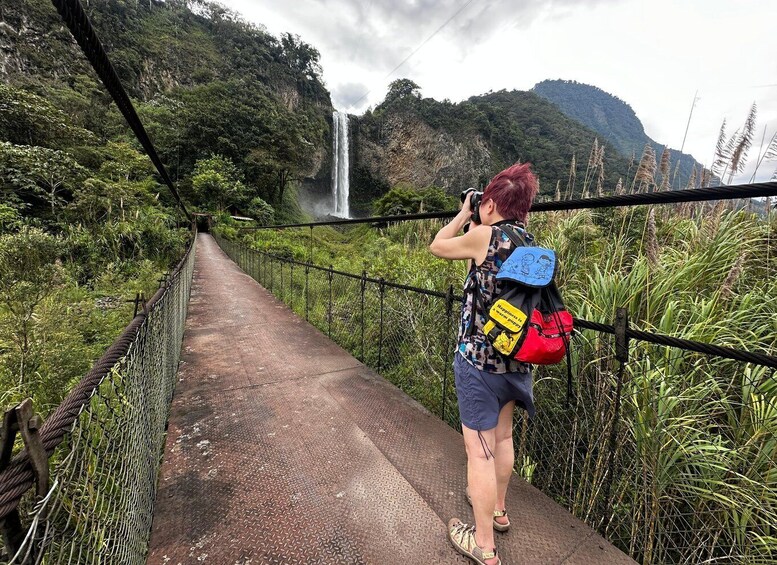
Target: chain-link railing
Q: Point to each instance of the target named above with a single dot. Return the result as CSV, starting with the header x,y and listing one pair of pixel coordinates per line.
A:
x,y
105,442
668,476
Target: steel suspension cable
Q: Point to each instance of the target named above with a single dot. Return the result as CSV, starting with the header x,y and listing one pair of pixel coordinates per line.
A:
x,y
730,192
77,21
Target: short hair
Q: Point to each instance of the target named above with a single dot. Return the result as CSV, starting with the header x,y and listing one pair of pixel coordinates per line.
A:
x,y
513,191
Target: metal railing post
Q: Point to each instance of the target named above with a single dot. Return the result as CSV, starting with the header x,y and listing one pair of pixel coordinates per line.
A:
x,y
307,291
23,420
329,306
445,338
622,355
363,286
382,292
291,286
310,254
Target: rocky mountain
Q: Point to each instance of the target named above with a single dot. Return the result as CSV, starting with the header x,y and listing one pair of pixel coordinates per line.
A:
x,y
614,120
423,142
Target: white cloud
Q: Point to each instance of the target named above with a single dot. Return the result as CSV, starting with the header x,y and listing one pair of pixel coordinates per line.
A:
x,y
652,54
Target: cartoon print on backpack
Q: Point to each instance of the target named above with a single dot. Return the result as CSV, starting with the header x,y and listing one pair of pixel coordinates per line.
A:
x,y
526,262
532,266
544,269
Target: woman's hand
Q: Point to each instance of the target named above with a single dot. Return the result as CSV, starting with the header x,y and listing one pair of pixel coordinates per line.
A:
x,y
467,212
466,206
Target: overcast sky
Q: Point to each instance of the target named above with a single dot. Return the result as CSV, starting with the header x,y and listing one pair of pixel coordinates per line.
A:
x,y
653,54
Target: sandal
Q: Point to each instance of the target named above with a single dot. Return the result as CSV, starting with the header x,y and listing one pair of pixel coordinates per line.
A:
x,y
462,537
498,526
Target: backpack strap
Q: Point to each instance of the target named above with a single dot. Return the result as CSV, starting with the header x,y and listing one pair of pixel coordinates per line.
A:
x,y
518,240
476,297
550,294
515,236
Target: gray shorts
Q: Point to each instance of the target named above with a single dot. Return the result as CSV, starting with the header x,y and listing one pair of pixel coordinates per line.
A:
x,y
482,395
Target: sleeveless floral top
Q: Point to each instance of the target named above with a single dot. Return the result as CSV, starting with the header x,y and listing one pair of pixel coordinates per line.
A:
x,y
473,345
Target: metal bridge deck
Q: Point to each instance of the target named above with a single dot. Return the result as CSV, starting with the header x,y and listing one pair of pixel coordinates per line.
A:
x,y
282,448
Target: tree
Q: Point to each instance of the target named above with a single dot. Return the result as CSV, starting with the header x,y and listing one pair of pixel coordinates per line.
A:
x,y
125,163
260,211
402,88
38,171
404,199
28,274
29,119
10,218
301,57
217,183
284,154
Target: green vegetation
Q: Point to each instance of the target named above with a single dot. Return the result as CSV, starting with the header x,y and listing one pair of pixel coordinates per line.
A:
x,y
236,115
205,83
614,120
404,199
77,241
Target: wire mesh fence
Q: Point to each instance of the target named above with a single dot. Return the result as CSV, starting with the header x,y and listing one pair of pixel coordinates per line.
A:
x,y
668,472
104,472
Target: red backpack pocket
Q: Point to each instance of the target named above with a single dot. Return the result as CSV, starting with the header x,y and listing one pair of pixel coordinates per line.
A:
x,y
547,338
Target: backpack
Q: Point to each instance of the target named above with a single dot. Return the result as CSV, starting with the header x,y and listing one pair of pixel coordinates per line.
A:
x,y
527,320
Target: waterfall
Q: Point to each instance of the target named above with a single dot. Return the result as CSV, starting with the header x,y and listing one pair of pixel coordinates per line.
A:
x,y
340,164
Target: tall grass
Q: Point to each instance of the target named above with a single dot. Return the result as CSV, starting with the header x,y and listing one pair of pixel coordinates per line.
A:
x,y
697,447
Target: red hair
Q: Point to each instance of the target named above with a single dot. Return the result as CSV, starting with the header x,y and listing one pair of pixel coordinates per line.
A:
x,y
513,191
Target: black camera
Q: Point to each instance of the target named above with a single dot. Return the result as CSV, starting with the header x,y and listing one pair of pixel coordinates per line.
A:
x,y
475,197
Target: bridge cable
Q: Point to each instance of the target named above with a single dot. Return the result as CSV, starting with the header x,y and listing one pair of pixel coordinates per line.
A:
x,y
77,21
729,192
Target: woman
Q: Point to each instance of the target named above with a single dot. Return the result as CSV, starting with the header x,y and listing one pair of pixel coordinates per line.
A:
x,y
488,384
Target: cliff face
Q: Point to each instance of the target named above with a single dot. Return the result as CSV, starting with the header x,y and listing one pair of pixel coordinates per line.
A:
x,y
403,148
33,40
408,150
423,142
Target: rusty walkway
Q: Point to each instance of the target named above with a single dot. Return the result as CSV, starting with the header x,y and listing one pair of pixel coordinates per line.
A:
x,y
282,448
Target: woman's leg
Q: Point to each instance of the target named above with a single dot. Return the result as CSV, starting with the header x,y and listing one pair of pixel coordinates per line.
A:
x,y
481,477
504,455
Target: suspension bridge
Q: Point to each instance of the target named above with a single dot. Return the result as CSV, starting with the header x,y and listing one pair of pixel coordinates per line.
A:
x,y
283,448
227,425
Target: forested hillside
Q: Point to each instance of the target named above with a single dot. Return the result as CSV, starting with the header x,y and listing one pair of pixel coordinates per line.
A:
x,y
238,117
614,120
411,139
206,83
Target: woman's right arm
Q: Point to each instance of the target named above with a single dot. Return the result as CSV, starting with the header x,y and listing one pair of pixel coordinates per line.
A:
x,y
472,245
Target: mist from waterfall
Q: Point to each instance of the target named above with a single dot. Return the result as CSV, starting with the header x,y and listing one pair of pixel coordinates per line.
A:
x,y
340,164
